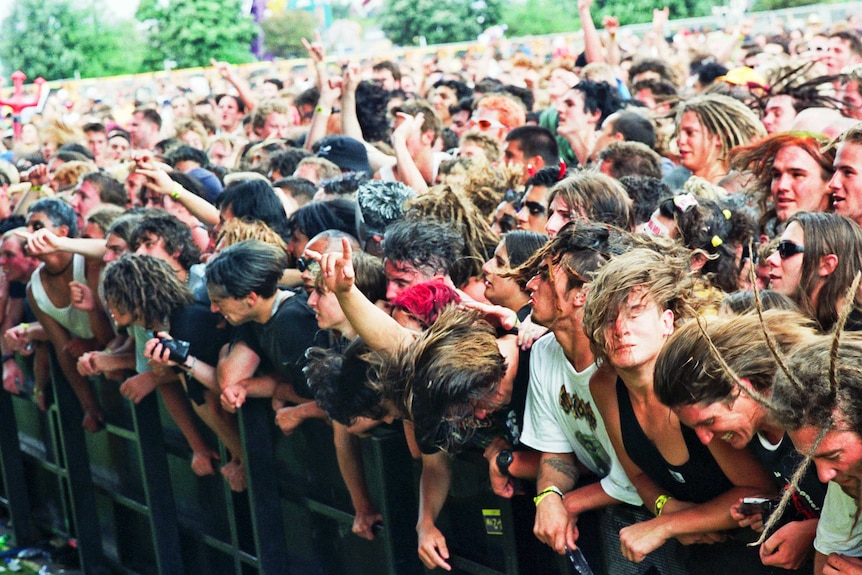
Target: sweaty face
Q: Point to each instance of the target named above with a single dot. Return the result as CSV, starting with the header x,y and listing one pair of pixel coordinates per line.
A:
x,y
636,335
797,183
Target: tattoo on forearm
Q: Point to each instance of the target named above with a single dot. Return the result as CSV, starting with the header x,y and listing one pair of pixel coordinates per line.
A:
x,y
562,466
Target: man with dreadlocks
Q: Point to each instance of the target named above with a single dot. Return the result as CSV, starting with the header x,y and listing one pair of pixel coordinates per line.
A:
x,y
819,402
716,379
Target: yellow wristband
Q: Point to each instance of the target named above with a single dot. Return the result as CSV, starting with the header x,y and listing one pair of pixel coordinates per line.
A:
x,y
660,502
549,491
175,194
25,326
323,111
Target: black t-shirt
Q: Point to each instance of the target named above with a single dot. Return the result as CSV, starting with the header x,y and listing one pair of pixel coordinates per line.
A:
x,y
281,342
206,332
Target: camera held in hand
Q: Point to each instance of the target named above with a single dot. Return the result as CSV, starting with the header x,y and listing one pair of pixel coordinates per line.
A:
x,y
178,348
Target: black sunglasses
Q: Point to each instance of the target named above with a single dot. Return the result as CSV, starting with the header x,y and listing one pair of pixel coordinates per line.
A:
x,y
787,249
303,264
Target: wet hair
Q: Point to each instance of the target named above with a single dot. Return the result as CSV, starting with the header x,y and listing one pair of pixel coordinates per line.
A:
x,y
176,235
598,197
663,277
479,241
148,288
438,379
59,212
340,382
814,397
579,249
689,369
246,267
522,244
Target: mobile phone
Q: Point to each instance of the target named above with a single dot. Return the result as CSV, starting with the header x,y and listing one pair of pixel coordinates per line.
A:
x,y
752,505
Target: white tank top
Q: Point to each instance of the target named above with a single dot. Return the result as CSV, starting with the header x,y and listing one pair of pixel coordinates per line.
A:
x,y
76,321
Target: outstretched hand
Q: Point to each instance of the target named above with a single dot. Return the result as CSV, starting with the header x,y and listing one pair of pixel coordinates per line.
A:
x,y
336,268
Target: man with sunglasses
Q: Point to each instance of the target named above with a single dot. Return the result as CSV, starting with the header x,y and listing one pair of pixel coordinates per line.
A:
x,y
497,115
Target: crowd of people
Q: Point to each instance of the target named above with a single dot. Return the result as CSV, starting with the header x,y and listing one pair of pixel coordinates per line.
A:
x,y
628,278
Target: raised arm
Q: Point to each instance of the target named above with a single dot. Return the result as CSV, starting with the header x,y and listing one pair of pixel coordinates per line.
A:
x,y
329,92
160,182
372,324
593,49
242,88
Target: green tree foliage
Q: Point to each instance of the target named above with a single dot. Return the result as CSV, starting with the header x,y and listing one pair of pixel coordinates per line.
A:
x,y
190,32
283,33
438,21
541,17
56,39
639,11
759,5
